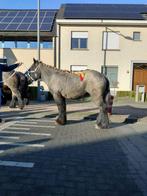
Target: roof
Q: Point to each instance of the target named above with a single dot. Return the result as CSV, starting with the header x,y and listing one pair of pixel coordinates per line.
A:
x,y
103,11
26,20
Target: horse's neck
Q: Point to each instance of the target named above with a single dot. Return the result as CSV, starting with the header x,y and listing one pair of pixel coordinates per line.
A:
x,y
46,73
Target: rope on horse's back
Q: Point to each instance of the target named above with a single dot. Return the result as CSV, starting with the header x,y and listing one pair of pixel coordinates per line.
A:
x,y
8,78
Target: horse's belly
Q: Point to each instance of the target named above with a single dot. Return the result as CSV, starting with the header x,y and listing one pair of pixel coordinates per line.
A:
x,y
72,94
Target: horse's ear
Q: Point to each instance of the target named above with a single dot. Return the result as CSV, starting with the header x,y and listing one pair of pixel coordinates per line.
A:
x,y
34,60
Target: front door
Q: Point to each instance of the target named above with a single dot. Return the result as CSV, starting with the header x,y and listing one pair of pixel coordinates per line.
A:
x,y
140,75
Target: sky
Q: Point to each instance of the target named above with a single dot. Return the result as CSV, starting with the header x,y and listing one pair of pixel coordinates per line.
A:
x,y
46,4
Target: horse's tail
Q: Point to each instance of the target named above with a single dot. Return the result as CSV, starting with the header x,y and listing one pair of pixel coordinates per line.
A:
x,y
108,98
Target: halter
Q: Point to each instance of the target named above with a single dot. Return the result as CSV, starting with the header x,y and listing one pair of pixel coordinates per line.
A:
x,y
28,72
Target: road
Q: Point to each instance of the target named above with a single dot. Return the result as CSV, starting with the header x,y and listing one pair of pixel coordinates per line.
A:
x,y
40,158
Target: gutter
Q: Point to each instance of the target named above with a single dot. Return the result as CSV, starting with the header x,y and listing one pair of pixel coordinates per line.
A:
x,y
101,22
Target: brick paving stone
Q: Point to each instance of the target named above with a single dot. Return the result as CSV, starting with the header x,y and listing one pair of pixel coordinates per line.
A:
x,y
80,160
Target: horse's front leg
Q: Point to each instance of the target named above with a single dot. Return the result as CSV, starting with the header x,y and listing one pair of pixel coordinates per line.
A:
x,y
61,104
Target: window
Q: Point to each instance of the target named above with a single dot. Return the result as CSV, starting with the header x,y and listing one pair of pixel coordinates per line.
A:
x,y
1,44
110,40
136,36
22,44
78,68
33,44
9,44
79,40
46,44
111,73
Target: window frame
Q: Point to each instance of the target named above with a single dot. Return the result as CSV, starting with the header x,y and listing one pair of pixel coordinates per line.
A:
x,y
111,66
103,39
139,36
79,41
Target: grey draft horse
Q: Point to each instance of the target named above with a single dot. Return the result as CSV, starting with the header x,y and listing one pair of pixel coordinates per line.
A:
x,y
64,85
18,84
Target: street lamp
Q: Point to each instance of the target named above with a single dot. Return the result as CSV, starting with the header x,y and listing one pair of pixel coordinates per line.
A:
x,y
38,31
38,46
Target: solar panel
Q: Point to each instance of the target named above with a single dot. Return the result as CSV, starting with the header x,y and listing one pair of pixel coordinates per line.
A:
x,y
21,13
7,20
47,20
31,14
3,26
42,14
17,20
32,27
2,14
23,27
12,26
45,27
10,14
106,11
26,20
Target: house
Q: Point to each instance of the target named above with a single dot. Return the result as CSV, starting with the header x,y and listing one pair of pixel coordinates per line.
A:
x,y
110,38
18,36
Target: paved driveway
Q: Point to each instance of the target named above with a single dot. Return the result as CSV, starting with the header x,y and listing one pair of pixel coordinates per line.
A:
x,y
40,158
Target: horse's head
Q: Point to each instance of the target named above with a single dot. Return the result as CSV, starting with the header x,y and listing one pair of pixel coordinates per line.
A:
x,y
34,70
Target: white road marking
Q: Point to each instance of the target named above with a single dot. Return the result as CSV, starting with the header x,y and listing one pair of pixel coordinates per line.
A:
x,y
25,122
25,133
41,120
22,144
6,125
34,111
16,164
19,128
39,126
9,137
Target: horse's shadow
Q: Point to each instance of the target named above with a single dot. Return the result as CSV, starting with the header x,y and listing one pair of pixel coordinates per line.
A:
x,y
130,115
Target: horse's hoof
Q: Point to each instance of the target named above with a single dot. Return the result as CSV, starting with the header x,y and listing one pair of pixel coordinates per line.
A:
x,y
97,127
21,107
100,126
12,106
60,122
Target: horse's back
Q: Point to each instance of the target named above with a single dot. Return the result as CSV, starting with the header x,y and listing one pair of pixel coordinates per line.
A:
x,y
95,78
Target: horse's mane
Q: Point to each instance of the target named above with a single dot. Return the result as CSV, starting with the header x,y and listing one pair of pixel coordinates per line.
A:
x,y
56,69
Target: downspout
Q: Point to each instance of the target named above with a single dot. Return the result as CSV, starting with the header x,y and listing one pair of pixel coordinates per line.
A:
x,y
59,47
55,52
105,51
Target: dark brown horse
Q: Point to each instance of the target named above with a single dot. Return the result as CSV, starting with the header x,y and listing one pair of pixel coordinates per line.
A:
x,y
18,84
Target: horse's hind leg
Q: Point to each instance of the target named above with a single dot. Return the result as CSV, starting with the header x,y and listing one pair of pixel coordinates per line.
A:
x,y
13,102
20,101
102,118
61,104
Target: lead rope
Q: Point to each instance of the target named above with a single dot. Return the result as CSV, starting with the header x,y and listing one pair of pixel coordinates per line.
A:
x,y
8,77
